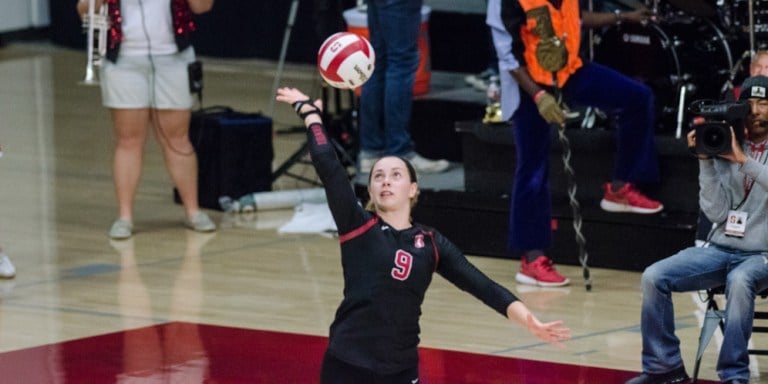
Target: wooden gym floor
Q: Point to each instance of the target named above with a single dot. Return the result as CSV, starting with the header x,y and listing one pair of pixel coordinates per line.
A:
x,y
186,300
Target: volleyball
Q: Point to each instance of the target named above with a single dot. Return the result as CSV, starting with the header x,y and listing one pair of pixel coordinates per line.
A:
x,y
346,60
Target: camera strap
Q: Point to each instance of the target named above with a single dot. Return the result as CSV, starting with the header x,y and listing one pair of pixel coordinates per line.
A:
x,y
754,149
755,152
736,222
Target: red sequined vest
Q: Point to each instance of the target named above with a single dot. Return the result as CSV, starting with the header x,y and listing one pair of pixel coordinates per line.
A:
x,y
182,26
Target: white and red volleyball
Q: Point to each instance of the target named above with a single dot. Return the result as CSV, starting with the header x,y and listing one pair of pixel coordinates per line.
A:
x,y
346,60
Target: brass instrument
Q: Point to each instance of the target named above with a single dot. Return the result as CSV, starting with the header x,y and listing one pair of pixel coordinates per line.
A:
x,y
96,25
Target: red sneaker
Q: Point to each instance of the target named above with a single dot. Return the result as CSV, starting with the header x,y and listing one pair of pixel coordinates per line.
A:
x,y
628,199
540,272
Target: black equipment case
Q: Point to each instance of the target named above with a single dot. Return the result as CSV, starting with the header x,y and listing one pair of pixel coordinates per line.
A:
x,y
234,154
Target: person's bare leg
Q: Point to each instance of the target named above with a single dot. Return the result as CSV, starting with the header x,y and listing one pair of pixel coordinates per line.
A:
x,y
130,130
171,130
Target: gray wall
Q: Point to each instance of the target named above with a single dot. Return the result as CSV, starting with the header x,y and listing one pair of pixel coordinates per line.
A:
x,y
23,14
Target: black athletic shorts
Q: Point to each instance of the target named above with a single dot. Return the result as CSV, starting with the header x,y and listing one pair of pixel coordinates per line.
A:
x,y
335,371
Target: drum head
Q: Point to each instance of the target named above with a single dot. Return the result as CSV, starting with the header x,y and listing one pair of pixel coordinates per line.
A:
x,y
689,52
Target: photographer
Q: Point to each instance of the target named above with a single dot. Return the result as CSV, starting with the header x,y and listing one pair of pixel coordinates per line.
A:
x,y
734,195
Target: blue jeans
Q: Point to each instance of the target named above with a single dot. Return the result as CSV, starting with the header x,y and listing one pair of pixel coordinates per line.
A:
x,y
743,274
595,85
387,97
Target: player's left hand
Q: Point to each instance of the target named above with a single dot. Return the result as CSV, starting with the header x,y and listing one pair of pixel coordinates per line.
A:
x,y
552,332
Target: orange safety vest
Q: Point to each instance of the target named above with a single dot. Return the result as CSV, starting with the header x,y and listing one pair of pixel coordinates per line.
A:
x,y
566,24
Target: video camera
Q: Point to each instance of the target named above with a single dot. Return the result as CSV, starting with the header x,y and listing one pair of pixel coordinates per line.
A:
x,y
713,135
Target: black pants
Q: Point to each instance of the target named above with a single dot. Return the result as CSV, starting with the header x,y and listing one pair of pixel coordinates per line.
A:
x,y
335,371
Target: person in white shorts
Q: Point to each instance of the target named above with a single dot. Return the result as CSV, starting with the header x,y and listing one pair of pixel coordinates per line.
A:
x,y
144,82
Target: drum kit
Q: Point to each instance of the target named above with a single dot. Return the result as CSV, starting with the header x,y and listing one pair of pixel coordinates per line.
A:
x,y
695,49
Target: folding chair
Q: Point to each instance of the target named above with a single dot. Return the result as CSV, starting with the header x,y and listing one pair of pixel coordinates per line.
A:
x,y
714,317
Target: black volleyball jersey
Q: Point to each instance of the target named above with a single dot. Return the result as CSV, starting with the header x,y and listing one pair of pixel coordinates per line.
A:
x,y
386,274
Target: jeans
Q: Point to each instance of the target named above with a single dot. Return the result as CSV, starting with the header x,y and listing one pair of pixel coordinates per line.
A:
x,y
743,274
592,85
387,97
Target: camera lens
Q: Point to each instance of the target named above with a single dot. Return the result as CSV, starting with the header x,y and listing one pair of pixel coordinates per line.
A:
x,y
713,138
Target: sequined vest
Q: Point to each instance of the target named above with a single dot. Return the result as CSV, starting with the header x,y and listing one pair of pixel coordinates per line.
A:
x,y
182,26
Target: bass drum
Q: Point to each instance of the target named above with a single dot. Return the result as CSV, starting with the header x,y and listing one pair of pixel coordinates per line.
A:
x,y
677,52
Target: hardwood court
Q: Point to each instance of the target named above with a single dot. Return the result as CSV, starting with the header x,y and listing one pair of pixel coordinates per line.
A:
x,y
77,289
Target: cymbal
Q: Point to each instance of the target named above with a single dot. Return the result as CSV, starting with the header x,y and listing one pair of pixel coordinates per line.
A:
x,y
694,7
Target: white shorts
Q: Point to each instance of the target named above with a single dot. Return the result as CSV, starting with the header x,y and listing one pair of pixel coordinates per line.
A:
x,y
159,81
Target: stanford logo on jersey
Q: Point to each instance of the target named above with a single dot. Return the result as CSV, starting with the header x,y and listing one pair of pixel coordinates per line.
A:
x,y
418,241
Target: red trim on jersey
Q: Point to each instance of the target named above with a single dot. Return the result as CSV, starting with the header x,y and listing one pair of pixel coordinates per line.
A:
x,y
434,245
359,230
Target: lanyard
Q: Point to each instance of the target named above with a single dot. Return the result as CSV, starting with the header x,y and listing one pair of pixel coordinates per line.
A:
x,y
755,152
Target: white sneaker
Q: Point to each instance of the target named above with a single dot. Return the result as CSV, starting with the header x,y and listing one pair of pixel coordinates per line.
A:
x,y
7,270
200,222
425,165
121,230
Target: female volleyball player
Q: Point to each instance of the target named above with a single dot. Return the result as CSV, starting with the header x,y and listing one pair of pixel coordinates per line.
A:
x,y
388,263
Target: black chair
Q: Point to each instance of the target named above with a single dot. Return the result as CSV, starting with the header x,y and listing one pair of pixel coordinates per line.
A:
x,y
714,317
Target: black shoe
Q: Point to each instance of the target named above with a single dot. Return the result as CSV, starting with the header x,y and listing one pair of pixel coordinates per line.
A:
x,y
674,376
737,381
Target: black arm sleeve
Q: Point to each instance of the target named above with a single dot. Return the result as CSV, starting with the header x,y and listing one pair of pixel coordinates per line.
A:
x,y
346,211
453,266
513,17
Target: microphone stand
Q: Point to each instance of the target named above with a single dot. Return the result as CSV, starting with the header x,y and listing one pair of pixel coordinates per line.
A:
x,y
728,86
750,11
591,8
283,51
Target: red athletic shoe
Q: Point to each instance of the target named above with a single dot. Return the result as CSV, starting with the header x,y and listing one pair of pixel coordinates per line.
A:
x,y
628,199
540,272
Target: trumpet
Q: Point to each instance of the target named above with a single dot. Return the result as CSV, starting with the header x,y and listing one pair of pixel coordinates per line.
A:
x,y
96,26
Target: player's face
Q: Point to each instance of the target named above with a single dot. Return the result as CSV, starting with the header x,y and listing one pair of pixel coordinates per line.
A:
x,y
390,187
